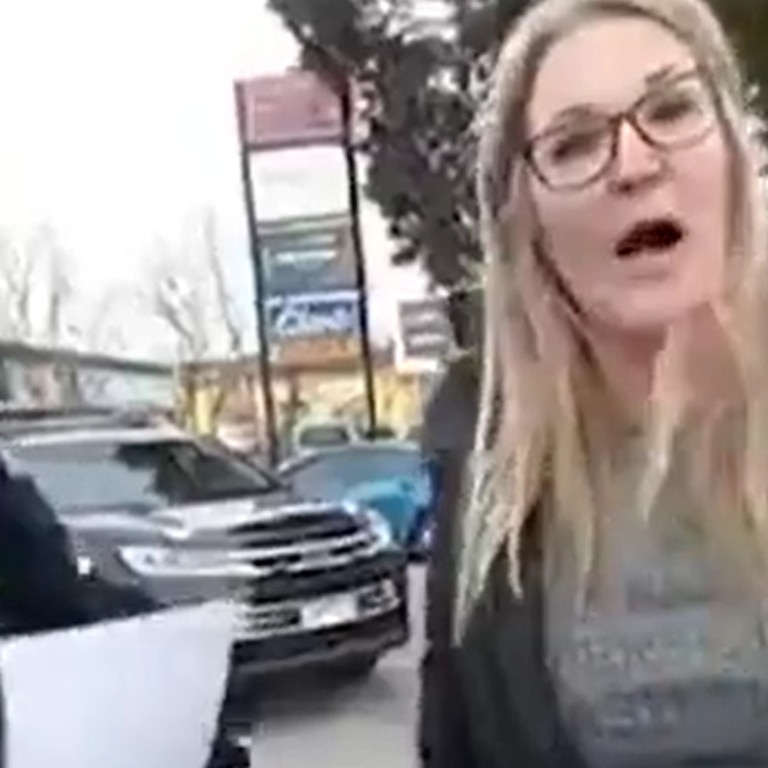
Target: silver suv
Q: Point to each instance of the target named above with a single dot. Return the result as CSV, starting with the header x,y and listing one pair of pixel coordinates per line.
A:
x,y
152,506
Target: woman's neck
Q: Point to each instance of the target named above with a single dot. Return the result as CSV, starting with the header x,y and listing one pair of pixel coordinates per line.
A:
x,y
627,363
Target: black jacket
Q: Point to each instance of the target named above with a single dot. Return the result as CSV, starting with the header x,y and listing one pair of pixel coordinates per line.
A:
x,y
446,439
489,702
39,586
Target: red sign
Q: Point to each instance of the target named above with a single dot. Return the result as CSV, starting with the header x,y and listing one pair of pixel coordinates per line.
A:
x,y
295,109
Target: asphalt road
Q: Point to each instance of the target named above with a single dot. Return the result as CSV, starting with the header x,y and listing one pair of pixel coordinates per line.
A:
x,y
368,725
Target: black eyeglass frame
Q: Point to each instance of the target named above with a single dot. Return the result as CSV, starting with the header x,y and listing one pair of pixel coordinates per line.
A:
x,y
615,122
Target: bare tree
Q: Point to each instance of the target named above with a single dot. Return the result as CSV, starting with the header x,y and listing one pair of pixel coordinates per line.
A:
x,y
103,328
16,271
39,306
57,296
190,294
35,289
180,305
39,303
232,323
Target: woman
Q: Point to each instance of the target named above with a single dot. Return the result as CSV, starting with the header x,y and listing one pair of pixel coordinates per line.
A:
x,y
610,577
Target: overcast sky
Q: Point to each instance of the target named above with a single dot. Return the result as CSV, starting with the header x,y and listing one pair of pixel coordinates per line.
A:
x,y
117,124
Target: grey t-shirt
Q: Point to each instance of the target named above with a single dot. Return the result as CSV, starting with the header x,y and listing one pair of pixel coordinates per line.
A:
x,y
668,669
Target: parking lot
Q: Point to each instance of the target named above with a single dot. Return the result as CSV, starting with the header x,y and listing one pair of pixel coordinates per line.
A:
x,y
303,722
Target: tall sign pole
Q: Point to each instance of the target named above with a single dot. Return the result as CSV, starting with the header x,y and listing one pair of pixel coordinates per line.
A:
x,y
361,279
265,357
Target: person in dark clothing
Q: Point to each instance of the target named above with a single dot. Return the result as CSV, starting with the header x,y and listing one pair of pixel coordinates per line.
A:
x,y
41,589
448,422
447,435
448,428
602,584
446,440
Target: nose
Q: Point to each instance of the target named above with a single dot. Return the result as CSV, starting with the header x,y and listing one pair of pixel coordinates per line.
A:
x,y
637,163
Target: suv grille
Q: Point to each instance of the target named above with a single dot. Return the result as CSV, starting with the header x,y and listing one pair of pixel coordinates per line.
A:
x,y
298,528
301,541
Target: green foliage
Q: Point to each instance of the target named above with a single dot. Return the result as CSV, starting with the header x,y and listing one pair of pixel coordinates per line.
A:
x,y
419,83
747,25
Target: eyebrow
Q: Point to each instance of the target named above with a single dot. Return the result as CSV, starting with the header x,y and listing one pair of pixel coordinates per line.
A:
x,y
663,73
651,80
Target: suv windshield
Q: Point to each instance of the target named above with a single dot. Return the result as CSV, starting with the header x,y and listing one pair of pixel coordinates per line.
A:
x,y
332,475
99,475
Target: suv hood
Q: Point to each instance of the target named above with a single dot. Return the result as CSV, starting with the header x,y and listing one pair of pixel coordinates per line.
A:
x,y
223,516
209,519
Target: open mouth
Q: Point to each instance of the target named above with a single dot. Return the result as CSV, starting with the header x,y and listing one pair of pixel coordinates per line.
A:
x,y
651,236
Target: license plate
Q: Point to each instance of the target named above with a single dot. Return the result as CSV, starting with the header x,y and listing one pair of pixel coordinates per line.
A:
x,y
330,611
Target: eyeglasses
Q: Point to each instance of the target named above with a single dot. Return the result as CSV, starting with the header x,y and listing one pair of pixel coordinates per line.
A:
x,y
577,153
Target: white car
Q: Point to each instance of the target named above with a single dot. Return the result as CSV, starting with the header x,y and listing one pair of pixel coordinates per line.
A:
x,y
309,437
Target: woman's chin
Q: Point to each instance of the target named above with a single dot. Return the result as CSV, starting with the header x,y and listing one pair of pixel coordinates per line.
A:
x,y
650,314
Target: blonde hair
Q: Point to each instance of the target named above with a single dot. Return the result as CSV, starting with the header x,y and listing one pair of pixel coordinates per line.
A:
x,y
541,410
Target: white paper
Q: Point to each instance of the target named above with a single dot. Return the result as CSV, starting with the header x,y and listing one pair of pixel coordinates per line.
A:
x,y
140,693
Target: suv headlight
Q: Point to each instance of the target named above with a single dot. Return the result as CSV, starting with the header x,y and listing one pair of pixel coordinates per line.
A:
x,y
378,525
85,566
169,561
82,557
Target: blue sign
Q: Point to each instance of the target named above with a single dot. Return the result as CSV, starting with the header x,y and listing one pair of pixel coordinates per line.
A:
x,y
313,254
313,315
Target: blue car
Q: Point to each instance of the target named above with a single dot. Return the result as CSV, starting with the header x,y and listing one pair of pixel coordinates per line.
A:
x,y
390,477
